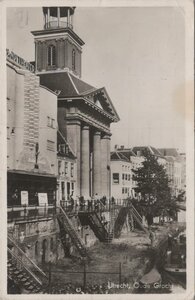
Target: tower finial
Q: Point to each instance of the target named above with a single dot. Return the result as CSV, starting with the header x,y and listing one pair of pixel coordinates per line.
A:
x,y
58,17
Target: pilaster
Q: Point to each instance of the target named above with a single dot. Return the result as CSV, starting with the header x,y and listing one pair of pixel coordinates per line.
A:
x,y
85,161
97,163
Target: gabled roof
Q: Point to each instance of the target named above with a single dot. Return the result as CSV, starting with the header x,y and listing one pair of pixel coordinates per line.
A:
x,y
152,150
118,156
169,152
169,158
155,151
62,141
59,82
127,153
66,83
80,85
69,86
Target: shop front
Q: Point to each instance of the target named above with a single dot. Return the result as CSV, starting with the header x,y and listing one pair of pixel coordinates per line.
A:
x,y
30,189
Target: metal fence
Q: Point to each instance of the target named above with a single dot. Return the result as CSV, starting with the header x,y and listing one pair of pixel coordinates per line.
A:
x,y
84,277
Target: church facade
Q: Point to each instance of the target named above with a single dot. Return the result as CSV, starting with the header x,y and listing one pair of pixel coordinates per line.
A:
x,y
84,112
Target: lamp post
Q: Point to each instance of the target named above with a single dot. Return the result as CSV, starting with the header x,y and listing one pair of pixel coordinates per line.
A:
x,y
36,155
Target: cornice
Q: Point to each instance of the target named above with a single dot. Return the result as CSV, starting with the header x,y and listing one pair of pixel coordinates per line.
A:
x,y
73,117
90,104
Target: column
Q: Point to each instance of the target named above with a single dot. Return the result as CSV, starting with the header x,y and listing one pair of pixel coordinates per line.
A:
x,y
58,15
72,20
97,163
105,165
48,17
73,134
44,56
85,161
68,18
108,167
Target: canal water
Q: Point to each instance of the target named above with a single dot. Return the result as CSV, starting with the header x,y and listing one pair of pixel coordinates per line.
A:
x,y
169,283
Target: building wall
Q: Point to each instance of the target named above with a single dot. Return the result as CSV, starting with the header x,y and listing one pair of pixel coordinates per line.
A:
x,y
123,187
48,128
64,47
177,177
28,106
31,236
66,176
15,114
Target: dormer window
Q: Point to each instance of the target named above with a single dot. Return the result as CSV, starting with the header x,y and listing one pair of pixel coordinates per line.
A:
x,y
51,55
73,60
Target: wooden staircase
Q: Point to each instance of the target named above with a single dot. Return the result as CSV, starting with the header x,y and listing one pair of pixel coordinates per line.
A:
x,y
133,216
120,220
92,219
23,271
66,227
138,219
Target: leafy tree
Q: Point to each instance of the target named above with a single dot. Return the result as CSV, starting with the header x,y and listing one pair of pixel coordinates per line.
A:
x,y
153,187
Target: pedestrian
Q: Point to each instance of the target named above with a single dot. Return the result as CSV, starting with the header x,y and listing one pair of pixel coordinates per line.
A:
x,y
113,200
82,202
71,202
89,204
169,241
151,237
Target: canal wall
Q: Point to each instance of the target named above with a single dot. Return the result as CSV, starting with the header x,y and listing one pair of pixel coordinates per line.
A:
x,y
159,248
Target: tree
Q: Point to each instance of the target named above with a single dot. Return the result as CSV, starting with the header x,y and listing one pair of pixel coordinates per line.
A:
x,y
153,187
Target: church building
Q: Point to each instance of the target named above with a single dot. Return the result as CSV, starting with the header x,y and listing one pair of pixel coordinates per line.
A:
x,y
84,112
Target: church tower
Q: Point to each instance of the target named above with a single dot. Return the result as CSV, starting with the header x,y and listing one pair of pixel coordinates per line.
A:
x,y
57,47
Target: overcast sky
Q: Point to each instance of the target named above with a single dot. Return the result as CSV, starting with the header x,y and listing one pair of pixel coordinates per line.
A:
x,y
138,54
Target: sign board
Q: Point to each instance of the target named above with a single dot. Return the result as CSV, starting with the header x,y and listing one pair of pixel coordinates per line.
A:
x,y
24,197
19,61
42,197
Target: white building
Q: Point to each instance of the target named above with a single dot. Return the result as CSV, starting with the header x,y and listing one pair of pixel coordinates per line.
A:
x,y
175,167
66,171
122,183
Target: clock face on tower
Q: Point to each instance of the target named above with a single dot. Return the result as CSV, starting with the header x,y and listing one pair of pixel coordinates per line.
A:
x,y
58,48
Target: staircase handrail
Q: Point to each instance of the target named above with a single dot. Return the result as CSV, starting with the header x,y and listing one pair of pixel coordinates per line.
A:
x,y
136,212
23,266
140,223
24,254
67,219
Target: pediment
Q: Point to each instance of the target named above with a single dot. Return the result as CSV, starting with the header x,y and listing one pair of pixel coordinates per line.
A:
x,y
101,98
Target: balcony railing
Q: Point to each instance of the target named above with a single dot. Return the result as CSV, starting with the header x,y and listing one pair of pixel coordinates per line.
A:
x,y
56,24
33,212
27,213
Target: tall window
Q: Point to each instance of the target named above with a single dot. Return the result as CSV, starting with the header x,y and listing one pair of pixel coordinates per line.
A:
x,y
59,167
51,58
72,170
115,177
73,59
66,168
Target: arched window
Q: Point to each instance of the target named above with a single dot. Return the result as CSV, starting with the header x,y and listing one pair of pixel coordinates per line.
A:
x,y
51,55
73,59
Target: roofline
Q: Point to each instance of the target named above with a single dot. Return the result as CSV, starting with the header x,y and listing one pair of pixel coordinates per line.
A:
x,y
46,88
73,84
59,30
66,142
23,172
68,99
